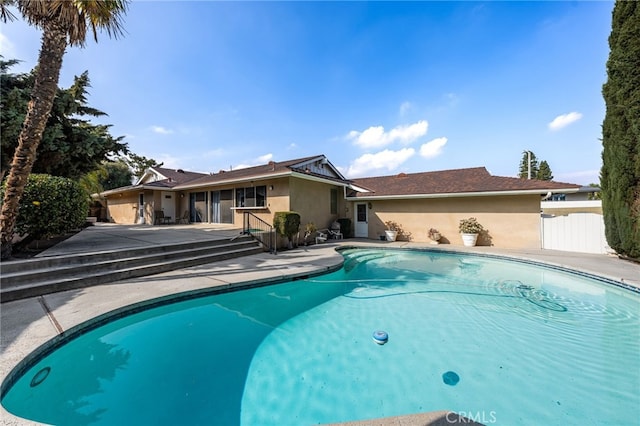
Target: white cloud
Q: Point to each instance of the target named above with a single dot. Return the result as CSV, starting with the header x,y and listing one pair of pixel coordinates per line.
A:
x,y
386,159
263,159
375,136
564,120
405,107
161,130
433,148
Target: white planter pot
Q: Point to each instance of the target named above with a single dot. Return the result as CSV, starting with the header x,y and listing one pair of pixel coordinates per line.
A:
x,y
391,235
469,240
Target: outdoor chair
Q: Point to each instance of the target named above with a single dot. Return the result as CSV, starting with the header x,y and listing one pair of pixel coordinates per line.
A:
x,y
322,236
335,231
185,218
160,218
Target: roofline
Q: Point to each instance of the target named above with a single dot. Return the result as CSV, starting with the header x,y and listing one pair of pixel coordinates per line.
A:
x,y
317,178
150,169
131,188
461,194
186,186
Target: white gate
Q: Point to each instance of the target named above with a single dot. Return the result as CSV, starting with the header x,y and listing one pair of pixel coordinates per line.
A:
x,y
578,232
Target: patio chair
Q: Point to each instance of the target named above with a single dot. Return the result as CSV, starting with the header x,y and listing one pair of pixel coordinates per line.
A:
x,y
160,218
335,231
322,236
185,218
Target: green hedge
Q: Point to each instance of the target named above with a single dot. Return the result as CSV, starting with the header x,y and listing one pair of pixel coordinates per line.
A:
x,y
51,206
286,224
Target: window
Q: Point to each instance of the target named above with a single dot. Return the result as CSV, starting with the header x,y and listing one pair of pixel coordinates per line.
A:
x,y
334,201
253,196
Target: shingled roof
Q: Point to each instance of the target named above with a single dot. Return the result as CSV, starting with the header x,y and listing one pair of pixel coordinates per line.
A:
x,y
174,177
263,171
459,181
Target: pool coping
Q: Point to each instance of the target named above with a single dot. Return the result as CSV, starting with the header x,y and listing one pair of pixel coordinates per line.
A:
x,y
301,262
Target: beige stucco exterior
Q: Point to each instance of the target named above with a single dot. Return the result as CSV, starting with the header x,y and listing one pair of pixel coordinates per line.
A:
x,y
311,199
123,207
512,221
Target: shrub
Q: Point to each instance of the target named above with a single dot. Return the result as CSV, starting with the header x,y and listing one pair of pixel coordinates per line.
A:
x,y
50,206
401,233
286,224
470,226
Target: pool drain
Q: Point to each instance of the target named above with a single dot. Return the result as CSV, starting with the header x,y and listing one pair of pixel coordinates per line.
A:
x,y
380,337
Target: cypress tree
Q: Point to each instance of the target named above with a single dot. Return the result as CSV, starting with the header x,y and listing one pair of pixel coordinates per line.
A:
x,y
524,167
544,171
620,173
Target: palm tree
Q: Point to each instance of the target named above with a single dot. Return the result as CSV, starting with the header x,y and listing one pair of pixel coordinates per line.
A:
x,y
63,23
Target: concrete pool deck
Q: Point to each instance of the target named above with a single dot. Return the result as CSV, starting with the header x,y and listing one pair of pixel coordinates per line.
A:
x,y
27,324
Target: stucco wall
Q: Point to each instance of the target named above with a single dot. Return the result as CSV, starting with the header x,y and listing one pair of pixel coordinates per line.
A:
x,y
123,209
511,221
277,200
313,201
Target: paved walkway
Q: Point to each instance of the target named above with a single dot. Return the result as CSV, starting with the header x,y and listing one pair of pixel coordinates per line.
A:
x,y
26,324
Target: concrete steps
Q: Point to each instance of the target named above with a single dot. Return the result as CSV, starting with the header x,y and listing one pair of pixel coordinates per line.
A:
x,y
37,276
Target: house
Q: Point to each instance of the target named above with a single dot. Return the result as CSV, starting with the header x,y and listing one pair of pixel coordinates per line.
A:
x,y
509,208
311,186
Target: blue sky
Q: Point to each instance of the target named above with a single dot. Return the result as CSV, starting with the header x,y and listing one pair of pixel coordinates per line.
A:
x,y
380,88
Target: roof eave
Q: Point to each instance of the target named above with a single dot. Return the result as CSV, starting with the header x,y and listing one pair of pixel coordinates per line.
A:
x,y
134,188
317,178
186,186
463,194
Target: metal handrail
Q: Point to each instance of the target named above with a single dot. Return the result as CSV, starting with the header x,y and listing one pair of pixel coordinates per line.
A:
x,y
260,230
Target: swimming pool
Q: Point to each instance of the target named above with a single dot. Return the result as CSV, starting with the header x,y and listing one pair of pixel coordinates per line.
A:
x,y
503,341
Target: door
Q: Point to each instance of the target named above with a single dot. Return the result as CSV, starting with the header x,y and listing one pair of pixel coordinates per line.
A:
x,y
215,206
168,205
362,223
141,208
198,207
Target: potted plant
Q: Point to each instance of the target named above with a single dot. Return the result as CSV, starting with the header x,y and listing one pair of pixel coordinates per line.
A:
x,y
309,229
470,228
434,235
392,230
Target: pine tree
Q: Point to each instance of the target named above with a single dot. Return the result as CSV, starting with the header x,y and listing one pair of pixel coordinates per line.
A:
x,y
524,168
620,173
544,171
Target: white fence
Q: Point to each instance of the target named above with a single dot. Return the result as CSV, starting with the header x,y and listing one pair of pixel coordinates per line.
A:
x,y
578,232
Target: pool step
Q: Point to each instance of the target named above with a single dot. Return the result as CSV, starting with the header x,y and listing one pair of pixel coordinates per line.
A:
x,y
37,276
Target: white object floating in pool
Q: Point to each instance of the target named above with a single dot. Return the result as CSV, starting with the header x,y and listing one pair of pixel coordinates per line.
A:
x,y
380,337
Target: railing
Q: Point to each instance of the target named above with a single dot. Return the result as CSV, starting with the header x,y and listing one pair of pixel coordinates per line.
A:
x,y
260,230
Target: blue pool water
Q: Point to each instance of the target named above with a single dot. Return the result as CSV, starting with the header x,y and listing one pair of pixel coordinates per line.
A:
x,y
504,342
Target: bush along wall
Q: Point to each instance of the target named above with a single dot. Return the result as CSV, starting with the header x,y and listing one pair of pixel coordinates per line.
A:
x,y
51,206
287,224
